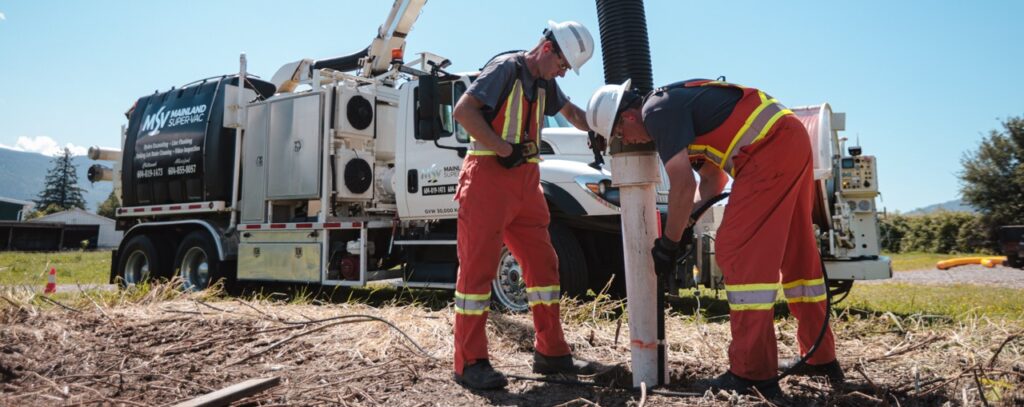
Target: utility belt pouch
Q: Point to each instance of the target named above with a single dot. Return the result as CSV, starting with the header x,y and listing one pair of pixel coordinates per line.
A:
x,y
521,152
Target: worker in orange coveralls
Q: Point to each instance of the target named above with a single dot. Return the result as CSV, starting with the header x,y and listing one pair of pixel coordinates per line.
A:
x,y
501,201
767,227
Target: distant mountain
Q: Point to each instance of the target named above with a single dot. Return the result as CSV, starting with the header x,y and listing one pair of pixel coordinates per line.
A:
x,y
22,176
956,205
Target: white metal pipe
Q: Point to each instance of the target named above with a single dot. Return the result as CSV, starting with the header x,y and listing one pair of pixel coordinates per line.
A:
x,y
636,174
239,117
104,154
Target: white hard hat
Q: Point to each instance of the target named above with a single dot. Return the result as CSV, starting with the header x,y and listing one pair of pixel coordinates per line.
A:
x,y
575,42
603,107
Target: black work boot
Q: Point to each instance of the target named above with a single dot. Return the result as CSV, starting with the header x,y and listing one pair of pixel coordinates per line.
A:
x,y
831,370
728,381
481,376
561,364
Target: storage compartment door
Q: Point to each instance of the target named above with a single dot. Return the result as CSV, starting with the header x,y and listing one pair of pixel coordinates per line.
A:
x,y
294,150
291,262
254,165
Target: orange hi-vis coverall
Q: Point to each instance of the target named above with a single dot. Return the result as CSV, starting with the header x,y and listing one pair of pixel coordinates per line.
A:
x,y
767,229
505,205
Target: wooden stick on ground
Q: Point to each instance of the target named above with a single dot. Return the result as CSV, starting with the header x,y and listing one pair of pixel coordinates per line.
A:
x,y
234,392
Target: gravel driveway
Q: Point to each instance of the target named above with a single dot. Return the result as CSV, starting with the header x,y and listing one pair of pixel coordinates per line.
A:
x,y
970,274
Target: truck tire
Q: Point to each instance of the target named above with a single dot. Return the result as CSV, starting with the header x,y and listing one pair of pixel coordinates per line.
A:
x,y
197,263
141,261
509,289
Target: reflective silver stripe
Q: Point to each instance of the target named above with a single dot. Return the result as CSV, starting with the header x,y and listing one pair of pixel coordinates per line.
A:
x,y
752,297
805,291
472,305
542,100
542,296
751,133
579,39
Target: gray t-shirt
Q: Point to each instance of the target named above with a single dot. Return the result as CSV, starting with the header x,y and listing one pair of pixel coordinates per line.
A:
x,y
676,118
496,80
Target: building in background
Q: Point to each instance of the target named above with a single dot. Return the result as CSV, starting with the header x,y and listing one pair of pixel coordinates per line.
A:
x,y
14,209
108,237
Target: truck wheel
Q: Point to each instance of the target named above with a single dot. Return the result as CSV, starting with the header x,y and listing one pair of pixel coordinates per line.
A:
x,y
509,288
572,265
141,261
196,262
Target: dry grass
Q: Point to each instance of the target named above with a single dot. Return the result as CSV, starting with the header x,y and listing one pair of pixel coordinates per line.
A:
x,y
154,346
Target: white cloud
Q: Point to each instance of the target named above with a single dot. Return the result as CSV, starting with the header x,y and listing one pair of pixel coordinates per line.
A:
x,y
44,145
2,17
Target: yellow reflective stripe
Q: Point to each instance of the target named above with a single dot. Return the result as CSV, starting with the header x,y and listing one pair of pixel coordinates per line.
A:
x,y
549,288
747,123
543,302
752,287
704,148
513,110
473,297
481,152
751,307
460,310
818,298
791,284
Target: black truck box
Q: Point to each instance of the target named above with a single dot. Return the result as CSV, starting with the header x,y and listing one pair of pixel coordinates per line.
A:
x,y
177,148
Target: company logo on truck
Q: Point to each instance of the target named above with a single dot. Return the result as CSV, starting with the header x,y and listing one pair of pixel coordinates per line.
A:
x,y
171,118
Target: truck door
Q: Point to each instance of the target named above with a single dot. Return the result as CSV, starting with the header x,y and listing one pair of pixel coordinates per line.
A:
x,y
431,173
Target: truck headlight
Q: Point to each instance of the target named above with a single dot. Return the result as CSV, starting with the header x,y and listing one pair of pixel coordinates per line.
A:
x,y
601,187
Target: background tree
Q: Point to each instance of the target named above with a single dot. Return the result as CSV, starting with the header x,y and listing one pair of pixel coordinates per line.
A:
x,y
61,191
993,177
109,207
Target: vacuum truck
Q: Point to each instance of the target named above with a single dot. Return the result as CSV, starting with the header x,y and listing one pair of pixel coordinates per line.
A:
x,y
342,172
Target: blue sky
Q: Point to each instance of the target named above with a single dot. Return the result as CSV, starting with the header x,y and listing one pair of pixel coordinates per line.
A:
x,y
921,81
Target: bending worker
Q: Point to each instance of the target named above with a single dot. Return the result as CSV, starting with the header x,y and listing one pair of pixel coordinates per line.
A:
x,y
501,201
731,130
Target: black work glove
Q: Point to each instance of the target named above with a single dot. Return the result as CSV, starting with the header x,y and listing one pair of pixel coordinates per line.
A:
x,y
665,254
520,152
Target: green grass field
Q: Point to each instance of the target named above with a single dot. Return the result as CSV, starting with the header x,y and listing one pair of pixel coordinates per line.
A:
x,y
960,301
954,301
921,261
73,267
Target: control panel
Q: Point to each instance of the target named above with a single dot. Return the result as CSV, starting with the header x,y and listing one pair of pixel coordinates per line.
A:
x,y
857,176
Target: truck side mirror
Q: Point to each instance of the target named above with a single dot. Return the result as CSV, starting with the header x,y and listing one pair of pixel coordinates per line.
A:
x,y
428,125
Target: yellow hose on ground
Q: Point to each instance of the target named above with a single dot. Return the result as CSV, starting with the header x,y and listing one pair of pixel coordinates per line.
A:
x,y
988,261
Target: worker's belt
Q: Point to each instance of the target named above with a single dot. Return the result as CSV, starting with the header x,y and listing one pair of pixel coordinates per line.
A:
x,y
548,295
805,290
472,304
752,297
530,151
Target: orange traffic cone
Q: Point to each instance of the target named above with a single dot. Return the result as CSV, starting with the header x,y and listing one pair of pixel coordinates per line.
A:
x,y
51,282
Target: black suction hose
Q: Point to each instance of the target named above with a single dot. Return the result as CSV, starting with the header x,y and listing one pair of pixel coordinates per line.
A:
x,y
625,49
696,214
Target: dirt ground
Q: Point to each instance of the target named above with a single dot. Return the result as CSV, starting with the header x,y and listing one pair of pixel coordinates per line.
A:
x,y
158,352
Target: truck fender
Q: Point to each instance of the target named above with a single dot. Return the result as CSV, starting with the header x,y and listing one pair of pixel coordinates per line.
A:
x,y
561,200
215,232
